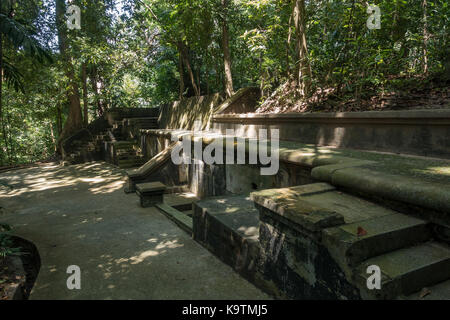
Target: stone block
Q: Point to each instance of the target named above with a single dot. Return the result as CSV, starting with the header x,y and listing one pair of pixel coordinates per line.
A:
x,y
150,193
287,206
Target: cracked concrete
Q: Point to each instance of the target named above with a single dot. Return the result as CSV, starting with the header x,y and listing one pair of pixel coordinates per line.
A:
x,y
79,215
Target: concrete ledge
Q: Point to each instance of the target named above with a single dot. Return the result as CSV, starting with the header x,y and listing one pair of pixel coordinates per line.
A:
x,y
429,117
416,132
336,166
325,173
180,219
395,187
140,175
285,203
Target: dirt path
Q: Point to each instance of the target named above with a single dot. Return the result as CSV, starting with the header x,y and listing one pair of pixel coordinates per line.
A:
x,y
79,215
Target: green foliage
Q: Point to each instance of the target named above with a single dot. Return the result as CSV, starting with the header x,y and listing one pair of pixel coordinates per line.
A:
x,y
131,51
21,38
6,243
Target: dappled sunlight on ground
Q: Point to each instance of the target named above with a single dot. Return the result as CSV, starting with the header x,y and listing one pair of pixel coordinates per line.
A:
x,y
79,215
106,179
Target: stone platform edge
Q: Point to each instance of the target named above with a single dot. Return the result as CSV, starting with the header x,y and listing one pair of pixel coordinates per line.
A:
x,y
428,117
347,172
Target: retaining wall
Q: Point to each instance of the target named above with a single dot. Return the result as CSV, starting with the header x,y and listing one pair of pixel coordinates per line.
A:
x,y
421,132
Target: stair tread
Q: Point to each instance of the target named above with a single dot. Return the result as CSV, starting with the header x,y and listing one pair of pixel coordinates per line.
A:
x,y
400,262
375,237
408,270
440,291
184,221
380,225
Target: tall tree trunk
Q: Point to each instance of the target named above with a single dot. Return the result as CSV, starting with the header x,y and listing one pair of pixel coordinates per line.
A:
x,y
52,135
185,56
94,83
304,68
425,36
74,120
85,95
198,81
288,47
226,51
59,120
181,72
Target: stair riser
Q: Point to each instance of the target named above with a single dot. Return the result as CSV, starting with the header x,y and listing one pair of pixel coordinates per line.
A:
x,y
409,283
384,243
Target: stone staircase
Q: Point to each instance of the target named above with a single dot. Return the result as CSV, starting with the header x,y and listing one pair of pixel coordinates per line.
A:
x,y
131,127
401,246
128,155
127,152
116,143
87,150
315,242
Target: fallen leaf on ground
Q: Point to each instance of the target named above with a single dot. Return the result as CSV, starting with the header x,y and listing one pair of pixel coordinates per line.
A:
x,y
424,293
361,232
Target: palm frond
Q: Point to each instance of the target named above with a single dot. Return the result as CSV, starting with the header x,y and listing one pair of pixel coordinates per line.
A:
x,y
19,36
13,77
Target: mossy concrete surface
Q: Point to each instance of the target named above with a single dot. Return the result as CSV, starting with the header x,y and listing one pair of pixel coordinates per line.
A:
x,y
430,169
410,180
316,220
79,215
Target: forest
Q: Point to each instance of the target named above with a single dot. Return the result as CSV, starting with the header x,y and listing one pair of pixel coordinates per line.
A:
x,y
305,56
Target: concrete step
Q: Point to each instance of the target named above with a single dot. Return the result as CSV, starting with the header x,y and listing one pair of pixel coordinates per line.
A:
x,y
407,270
124,145
440,291
130,163
132,153
189,213
150,193
179,218
130,157
181,201
353,243
229,228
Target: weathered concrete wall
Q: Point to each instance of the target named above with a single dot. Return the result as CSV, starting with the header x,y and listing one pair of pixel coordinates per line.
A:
x,y
294,265
245,100
118,114
190,114
282,261
243,179
196,113
221,179
424,133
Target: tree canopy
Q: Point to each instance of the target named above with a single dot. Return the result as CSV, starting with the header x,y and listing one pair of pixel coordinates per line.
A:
x,y
144,53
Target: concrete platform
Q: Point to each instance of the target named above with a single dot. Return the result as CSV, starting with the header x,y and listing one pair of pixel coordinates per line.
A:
x,y
79,215
229,227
